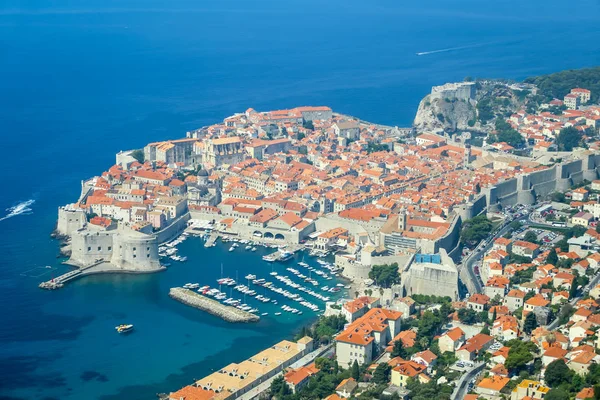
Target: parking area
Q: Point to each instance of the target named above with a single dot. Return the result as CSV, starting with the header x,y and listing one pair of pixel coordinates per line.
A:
x,y
462,365
495,347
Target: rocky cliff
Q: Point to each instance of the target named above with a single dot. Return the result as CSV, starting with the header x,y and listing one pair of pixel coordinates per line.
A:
x,y
493,99
436,115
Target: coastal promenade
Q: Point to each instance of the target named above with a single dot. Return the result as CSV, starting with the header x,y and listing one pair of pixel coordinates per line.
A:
x,y
229,314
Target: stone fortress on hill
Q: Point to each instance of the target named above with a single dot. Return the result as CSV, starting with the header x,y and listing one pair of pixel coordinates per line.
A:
x,y
372,194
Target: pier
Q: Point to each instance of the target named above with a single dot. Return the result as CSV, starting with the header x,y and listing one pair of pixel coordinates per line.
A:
x,y
228,313
211,239
59,281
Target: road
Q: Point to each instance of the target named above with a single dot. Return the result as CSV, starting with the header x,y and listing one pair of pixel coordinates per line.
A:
x,y
463,384
478,253
554,324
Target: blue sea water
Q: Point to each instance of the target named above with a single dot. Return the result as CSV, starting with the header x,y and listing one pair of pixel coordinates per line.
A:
x,y
81,80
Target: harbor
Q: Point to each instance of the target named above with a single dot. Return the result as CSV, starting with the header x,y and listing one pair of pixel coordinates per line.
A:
x,y
298,281
228,313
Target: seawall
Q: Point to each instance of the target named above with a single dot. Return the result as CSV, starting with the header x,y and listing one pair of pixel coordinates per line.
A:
x,y
229,314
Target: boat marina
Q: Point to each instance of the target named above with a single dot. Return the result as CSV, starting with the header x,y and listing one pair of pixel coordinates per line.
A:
x,y
286,289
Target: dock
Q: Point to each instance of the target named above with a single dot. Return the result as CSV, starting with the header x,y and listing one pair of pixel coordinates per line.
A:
x,y
211,239
59,281
228,313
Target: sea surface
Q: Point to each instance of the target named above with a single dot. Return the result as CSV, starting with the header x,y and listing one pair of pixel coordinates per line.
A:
x,y
81,80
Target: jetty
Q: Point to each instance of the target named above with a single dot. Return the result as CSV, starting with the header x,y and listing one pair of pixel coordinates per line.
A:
x,y
59,281
228,313
211,239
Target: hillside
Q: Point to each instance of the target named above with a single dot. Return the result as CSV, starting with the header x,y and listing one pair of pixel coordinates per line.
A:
x,y
558,84
493,99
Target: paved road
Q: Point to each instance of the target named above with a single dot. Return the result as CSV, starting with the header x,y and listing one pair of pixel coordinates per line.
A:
x,y
463,384
554,324
470,261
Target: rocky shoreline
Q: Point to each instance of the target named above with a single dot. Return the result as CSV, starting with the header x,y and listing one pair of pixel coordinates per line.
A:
x,y
229,314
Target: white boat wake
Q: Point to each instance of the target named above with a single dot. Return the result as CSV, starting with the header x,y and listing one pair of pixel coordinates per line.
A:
x,y
21,208
424,53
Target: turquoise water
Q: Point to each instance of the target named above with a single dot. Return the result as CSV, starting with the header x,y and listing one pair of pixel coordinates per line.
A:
x,y
81,80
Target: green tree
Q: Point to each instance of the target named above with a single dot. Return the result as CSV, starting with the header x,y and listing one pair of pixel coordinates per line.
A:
x,y
279,387
385,275
138,155
557,394
325,364
467,316
559,197
355,371
382,373
530,323
552,257
429,324
557,373
308,125
398,350
530,237
568,138
484,110
506,133
559,84
326,327
476,229
519,355
514,225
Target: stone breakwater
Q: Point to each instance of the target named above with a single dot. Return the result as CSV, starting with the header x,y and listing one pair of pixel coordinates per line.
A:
x,y
228,313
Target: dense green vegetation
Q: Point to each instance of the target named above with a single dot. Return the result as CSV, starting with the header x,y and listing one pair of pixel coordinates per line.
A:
x,y
558,373
382,374
485,111
530,323
324,329
430,299
559,84
520,354
568,138
522,276
476,229
138,155
428,391
319,386
385,275
506,133
428,326
566,383
308,125
469,316
531,237
552,257
375,147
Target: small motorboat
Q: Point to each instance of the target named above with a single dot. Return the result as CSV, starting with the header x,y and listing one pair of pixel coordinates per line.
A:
x,y
124,328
